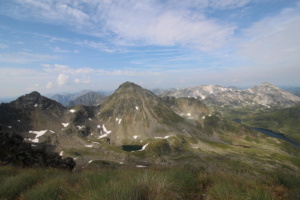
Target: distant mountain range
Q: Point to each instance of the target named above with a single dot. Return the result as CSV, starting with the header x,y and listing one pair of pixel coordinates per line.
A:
x,y
213,95
262,95
130,116
85,97
167,125
88,99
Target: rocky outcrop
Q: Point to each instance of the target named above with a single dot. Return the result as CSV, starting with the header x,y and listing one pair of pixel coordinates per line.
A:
x,y
14,151
35,99
25,105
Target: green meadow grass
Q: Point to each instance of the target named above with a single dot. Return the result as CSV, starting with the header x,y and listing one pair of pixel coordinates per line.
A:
x,y
145,184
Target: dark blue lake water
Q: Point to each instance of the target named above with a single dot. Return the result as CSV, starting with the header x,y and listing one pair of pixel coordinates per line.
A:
x,y
272,134
130,148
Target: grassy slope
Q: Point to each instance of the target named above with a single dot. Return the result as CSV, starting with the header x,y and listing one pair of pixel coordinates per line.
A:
x,y
212,170
160,183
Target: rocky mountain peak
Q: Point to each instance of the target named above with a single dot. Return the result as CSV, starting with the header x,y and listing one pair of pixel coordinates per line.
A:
x,y
27,100
31,96
267,89
128,98
34,93
136,112
34,99
129,87
267,85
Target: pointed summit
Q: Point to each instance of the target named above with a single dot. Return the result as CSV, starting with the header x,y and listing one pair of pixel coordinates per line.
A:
x,y
129,87
136,112
34,93
128,84
266,87
267,84
35,99
130,97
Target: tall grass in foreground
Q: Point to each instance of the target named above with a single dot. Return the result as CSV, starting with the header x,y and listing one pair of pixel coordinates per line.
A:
x,y
144,184
229,186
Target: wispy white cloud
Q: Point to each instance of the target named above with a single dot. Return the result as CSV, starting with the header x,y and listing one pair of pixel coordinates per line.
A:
x,y
62,79
96,45
125,72
19,42
84,71
101,46
49,85
59,50
24,57
150,22
6,72
34,87
170,29
3,46
146,39
228,4
52,10
18,80
82,81
65,69
273,40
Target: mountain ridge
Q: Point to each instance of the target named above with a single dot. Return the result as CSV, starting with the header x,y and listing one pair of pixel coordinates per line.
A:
x,y
87,99
264,94
165,128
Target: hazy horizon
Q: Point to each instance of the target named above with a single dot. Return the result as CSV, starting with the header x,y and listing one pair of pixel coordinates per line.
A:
x,y
68,46
9,98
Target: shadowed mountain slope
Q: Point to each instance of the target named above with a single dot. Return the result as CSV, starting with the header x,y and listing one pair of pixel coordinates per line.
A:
x,y
88,99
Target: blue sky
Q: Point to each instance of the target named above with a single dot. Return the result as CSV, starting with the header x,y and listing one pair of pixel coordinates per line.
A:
x,y
57,46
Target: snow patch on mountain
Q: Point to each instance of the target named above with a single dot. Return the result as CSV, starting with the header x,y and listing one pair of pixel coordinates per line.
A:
x,y
105,130
65,124
166,137
144,147
38,134
141,166
118,120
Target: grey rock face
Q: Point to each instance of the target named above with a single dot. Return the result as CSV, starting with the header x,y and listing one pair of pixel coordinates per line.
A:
x,y
35,99
23,107
15,152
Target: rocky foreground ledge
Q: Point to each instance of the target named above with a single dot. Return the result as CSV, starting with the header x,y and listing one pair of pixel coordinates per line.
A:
x,y
14,151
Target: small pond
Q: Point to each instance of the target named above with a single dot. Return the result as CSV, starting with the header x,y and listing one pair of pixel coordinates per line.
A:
x,y
130,148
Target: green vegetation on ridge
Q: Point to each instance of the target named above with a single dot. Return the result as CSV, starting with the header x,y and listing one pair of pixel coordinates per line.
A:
x,y
285,121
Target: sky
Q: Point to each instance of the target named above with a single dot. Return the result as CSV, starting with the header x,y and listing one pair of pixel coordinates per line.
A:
x,y
55,46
